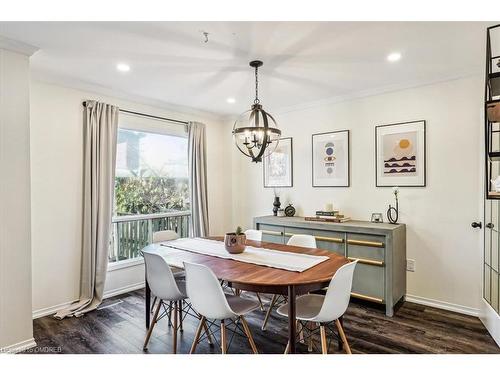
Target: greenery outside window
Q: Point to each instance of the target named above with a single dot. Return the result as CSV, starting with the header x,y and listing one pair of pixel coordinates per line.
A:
x,y
151,184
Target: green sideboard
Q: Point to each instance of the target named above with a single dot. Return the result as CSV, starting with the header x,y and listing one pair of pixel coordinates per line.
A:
x,y
380,275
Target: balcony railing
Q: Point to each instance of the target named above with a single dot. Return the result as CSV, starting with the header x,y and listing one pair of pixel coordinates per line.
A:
x,y
132,232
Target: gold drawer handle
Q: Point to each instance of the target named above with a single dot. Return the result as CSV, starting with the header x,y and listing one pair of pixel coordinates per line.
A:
x,y
367,298
329,239
272,232
368,261
365,243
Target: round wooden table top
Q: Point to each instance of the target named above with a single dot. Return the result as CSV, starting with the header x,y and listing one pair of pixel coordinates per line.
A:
x,y
252,277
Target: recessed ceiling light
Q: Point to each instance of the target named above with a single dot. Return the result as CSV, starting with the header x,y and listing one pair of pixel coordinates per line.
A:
x,y
123,67
395,56
231,100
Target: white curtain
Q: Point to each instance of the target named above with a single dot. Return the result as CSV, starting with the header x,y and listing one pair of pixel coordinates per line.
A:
x,y
100,132
197,160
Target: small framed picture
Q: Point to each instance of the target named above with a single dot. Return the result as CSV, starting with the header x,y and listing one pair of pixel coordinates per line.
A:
x,y
377,218
278,167
400,154
330,159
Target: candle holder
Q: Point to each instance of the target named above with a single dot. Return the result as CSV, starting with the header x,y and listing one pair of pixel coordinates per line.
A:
x,y
393,212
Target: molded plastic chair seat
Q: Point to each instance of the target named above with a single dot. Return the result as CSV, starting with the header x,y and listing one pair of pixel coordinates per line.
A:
x,y
166,288
208,299
328,308
169,235
307,307
253,234
241,306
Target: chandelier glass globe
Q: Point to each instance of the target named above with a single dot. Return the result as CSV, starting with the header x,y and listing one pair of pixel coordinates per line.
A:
x,y
255,132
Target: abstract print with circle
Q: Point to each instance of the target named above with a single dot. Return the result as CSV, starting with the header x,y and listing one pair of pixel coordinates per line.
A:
x,y
399,150
331,157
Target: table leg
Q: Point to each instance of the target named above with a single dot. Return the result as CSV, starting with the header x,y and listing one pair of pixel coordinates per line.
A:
x,y
291,319
148,304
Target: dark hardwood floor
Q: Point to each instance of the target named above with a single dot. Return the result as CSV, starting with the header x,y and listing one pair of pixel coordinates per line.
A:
x,y
118,327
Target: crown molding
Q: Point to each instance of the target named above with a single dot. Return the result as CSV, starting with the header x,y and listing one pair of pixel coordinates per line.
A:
x,y
374,92
16,46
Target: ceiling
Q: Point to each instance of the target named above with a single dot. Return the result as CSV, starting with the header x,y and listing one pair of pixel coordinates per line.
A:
x,y
303,61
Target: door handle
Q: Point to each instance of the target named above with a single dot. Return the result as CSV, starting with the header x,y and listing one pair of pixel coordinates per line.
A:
x,y
479,225
490,225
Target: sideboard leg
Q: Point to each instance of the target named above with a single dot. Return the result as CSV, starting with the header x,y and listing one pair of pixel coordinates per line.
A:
x,y
389,310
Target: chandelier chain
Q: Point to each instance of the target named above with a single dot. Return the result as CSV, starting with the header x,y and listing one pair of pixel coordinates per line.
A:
x,y
256,101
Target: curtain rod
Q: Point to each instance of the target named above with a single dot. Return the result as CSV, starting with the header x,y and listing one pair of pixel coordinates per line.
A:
x,y
150,116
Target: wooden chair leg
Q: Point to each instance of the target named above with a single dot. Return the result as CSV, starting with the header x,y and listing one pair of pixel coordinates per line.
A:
x,y
246,328
197,336
223,337
260,302
310,341
176,315
343,337
207,331
268,313
150,330
324,345
287,348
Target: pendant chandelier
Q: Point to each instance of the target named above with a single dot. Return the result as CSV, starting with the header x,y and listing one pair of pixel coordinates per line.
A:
x,y
255,132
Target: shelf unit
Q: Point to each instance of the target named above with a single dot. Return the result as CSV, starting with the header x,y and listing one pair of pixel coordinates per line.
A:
x,y
491,93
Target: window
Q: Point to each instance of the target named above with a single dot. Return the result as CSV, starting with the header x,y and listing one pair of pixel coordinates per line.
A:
x,y
151,184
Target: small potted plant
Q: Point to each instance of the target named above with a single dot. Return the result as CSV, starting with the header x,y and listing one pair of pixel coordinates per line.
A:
x,y
235,241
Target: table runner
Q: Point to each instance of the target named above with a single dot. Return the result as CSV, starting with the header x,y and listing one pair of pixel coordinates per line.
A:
x,y
256,255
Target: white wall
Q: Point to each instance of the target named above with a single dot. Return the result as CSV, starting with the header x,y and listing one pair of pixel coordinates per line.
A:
x,y
16,331
56,173
439,236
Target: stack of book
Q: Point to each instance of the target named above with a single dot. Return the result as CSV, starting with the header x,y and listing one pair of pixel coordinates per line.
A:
x,y
330,216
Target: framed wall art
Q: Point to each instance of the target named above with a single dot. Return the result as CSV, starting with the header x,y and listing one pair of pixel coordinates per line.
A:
x,y
278,167
330,159
400,154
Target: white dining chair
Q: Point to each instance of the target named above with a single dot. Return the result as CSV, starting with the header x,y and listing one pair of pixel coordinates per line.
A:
x,y
323,309
168,235
164,235
302,240
167,289
253,234
208,299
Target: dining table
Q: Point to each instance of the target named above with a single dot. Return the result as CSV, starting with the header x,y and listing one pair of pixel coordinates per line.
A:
x,y
251,277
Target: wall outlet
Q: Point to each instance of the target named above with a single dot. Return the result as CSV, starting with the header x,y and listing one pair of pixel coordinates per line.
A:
x,y
410,265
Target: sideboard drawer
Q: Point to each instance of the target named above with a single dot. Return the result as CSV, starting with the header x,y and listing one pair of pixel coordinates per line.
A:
x,y
366,247
368,282
332,241
271,233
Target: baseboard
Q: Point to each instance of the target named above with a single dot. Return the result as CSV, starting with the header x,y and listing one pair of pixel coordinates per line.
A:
x,y
110,293
491,321
123,290
443,305
51,310
19,347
